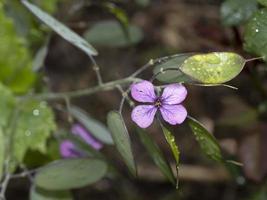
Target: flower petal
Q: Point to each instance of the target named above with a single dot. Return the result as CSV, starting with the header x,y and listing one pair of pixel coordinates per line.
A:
x,y
86,136
173,114
143,115
143,92
174,94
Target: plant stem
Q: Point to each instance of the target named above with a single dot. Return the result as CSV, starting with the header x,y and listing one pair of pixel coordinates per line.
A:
x,y
83,92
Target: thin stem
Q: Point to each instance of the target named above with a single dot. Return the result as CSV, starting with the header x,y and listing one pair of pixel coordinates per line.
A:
x,y
83,92
96,68
157,61
252,59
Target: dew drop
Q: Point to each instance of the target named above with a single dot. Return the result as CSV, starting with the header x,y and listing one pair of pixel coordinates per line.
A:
x,y
28,133
257,30
36,112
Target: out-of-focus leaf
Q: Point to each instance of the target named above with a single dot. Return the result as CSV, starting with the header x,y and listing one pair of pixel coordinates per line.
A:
x,y
143,2
97,128
157,155
34,126
252,153
255,34
119,13
39,59
213,68
2,152
7,103
235,12
261,194
41,194
15,61
70,173
206,140
121,139
237,113
61,29
169,71
263,2
110,33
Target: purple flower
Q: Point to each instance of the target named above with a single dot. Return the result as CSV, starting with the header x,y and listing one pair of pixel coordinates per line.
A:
x,y
68,148
168,103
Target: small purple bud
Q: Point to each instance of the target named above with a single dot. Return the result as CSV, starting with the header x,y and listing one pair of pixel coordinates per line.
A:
x,y
79,130
68,150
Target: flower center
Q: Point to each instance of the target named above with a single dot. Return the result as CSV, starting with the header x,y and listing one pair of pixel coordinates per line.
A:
x,y
158,102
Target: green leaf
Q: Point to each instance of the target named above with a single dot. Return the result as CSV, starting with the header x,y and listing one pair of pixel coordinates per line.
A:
x,y
213,68
70,173
61,29
2,152
7,103
255,34
206,140
15,63
171,141
110,33
37,193
121,139
157,155
174,148
235,12
263,2
169,71
39,58
97,128
34,125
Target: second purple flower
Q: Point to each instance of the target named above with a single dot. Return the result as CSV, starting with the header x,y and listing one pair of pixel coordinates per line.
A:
x,y
168,103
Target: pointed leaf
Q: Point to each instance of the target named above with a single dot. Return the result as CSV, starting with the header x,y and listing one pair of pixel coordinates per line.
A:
x,y
174,148
97,128
171,141
213,68
206,140
156,154
41,194
70,173
61,29
121,139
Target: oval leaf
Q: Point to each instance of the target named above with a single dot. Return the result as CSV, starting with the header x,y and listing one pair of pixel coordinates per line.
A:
x,y
207,141
97,128
121,139
41,194
110,33
70,173
213,68
255,34
156,154
169,71
61,29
